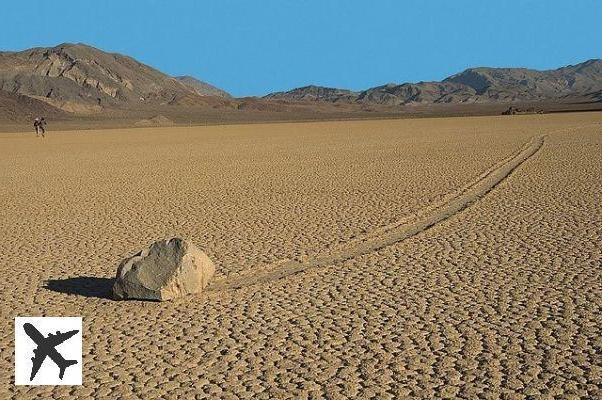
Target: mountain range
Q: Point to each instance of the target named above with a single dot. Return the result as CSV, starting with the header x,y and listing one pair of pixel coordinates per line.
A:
x,y
80,79
474,85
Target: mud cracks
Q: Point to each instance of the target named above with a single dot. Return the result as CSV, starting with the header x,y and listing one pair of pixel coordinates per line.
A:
x,y
393,233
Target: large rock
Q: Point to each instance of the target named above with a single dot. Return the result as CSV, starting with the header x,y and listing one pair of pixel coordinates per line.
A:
x,y
167,269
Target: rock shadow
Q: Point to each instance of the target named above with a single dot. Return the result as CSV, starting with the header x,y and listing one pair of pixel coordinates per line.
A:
x,y
87,286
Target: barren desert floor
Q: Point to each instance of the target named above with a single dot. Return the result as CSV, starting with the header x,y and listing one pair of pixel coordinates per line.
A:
x,y
417,258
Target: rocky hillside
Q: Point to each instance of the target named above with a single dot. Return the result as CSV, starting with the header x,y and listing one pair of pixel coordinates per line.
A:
x,y
77,77
202,88
17,107
474,85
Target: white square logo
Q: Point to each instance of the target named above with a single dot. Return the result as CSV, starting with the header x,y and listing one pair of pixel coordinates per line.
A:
x,y
48,351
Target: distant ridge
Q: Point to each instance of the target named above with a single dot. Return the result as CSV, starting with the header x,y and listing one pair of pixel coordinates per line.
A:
x,y
474,85
313,92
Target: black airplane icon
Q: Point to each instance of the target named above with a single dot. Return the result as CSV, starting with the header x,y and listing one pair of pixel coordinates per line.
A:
x,y
46,347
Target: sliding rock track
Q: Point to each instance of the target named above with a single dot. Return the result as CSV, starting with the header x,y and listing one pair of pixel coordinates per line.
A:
x,y
393,233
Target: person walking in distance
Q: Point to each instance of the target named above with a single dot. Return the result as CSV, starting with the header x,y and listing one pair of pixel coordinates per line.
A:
x,y
39,124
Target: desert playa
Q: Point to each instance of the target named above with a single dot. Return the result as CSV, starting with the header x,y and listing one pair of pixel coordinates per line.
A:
x,y
419,258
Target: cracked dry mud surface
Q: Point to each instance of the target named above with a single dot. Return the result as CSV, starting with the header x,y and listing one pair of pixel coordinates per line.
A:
x,y
501,299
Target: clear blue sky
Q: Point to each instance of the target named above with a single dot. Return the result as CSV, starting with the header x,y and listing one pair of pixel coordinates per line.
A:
x,y
255,47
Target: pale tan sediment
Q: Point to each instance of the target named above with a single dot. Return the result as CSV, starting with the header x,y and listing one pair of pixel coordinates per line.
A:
x,y
500,300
